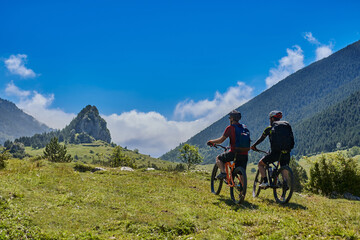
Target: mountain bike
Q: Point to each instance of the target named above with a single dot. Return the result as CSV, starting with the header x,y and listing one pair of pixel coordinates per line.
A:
x,y
235,178
281,180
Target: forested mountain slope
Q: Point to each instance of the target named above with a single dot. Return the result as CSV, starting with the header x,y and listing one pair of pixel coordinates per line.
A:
x,y
300,96
15,123
333,128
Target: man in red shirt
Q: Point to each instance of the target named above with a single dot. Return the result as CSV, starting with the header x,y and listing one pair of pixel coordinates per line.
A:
x,y
239,137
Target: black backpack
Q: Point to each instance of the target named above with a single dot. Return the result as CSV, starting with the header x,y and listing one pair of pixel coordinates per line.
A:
x,y
281,136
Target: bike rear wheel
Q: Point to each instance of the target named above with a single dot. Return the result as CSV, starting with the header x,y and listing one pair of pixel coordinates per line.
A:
x,y
257,182
216,184
283,185
238,192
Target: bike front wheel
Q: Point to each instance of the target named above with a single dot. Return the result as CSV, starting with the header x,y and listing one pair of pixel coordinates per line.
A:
x,y
238,192
216,184
257,182
283,185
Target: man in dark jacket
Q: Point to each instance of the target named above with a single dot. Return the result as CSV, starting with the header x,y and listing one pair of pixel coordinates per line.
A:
x,y
281,144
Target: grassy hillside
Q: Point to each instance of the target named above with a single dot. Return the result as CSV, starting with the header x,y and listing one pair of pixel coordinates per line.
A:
x,y
43,200
100,151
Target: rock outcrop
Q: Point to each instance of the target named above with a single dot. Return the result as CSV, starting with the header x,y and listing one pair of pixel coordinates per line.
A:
x,y
90,122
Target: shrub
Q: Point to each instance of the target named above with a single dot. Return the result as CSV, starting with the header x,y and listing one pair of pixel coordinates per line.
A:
x,y
334,173
300,176
178,168
35,158
118,159
153,165
55,152
3,157
83,167
354,151
16,149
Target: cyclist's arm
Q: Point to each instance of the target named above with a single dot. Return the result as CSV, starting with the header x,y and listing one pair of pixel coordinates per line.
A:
x,y
262,138
218,140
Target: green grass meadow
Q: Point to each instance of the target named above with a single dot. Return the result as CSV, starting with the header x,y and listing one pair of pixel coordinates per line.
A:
x,y
100,151
44,200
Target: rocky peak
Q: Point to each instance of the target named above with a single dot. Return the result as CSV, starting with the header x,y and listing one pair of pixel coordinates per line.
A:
x,y
90,122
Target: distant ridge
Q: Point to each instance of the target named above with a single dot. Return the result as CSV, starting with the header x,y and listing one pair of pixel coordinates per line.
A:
x,y
15,123
300,96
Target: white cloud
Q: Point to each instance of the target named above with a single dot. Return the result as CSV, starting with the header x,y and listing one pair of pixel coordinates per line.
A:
x,y
322,50
150,132
308,36
13,90
38,106
287,65
216,108
16,65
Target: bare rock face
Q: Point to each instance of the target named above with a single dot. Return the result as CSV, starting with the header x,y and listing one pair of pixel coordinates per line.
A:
x,y
89,121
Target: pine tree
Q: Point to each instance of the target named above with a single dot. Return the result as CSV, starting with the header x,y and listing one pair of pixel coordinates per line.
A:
x,y
118,159
55,152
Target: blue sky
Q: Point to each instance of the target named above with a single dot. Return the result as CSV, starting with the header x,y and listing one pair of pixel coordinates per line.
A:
x,y
161,69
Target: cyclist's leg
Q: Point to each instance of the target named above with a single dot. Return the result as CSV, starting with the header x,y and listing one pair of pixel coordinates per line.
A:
x,y
266,160
241,161
223,158
261,166
220,164
284,161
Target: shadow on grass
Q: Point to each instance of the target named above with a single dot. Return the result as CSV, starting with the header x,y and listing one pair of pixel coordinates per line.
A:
x,y
291,205
244,205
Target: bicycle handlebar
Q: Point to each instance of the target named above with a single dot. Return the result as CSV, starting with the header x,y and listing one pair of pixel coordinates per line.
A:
x,y
258,150
226,148
218,145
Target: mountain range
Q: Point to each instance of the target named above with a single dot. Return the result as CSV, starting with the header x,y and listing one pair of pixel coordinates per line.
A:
x,y
15,123
304,97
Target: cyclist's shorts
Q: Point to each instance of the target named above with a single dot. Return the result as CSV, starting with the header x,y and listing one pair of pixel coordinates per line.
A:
x,y
241,160
275,156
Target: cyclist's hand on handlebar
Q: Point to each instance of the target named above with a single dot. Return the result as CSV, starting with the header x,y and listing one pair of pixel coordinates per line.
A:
x,y
253,147
209,143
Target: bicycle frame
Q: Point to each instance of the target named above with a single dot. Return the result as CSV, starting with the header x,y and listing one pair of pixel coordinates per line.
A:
x,y
281,180
235,179
229,168
271,178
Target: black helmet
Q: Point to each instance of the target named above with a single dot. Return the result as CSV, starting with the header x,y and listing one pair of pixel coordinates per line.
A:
x,y
235,115
275,114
